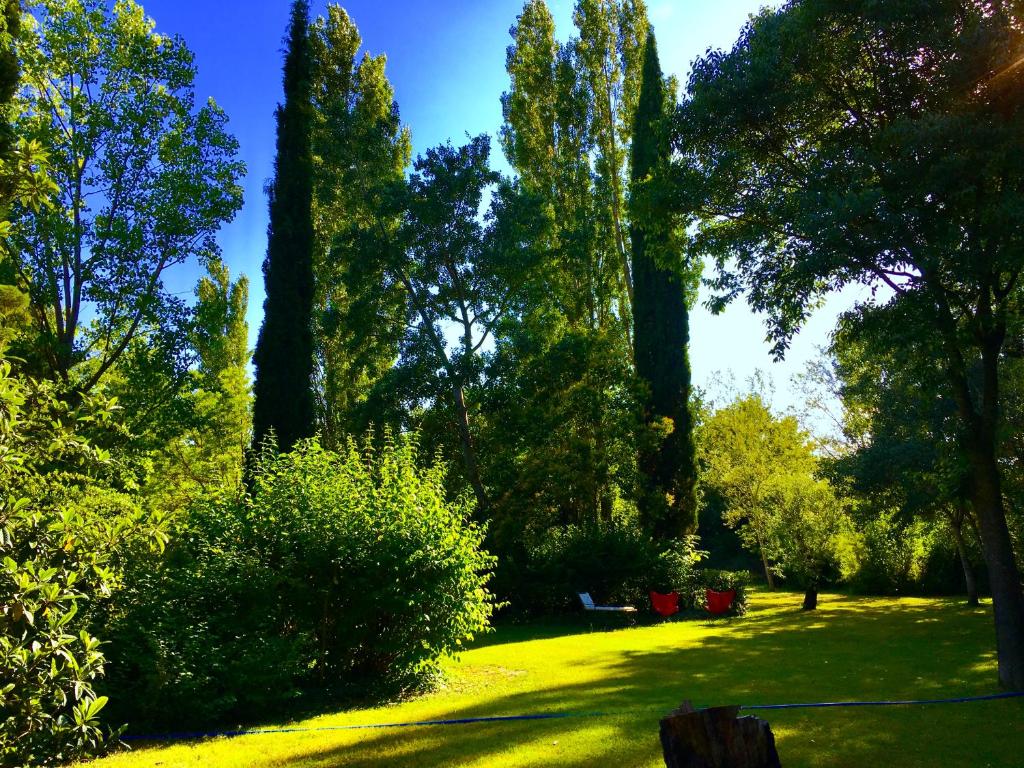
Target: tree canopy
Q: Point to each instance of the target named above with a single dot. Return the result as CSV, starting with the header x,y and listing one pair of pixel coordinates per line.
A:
x,y
144,179
880,144
473,389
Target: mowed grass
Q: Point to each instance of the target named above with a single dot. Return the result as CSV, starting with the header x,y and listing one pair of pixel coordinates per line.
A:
x,y
850,649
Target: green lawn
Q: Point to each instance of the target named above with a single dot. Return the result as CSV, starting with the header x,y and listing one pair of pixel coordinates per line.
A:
x,y
852,648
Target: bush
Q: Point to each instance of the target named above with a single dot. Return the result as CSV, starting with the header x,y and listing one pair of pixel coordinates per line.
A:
x,y
891,558
614,563
942,571
63,536
196,636
677,570
342,574
918,558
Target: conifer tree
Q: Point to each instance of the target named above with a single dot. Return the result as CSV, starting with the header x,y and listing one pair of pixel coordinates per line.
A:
x,y
10,24
283,395
661,329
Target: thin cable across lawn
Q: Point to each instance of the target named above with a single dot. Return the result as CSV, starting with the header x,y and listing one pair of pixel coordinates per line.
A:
x,y
553,716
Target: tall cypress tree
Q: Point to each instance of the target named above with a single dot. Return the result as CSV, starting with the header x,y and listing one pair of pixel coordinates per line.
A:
x,y
283,394
10,73
10,25
661,329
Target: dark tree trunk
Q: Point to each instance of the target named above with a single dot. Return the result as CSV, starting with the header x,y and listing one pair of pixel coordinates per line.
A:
x,y
1004,577
811,598
979,418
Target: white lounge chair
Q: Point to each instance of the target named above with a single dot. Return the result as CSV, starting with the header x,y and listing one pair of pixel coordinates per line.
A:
x,y
588,605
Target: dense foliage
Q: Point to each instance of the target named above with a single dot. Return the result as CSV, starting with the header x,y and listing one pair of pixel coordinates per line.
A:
x,y
442,268
901,417
764,471
143,181
65,534
455,362
560,407
342,574
360,152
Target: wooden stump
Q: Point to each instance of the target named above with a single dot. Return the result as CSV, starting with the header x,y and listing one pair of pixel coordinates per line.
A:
x,y
717,738
811,599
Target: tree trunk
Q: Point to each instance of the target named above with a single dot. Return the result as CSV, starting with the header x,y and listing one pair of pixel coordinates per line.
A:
x,y
811,598
767,571
716,738
1004,577
468,449
970,582
979,439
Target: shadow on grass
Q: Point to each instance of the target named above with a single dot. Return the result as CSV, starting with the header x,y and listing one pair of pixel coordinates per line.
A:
x,y
850,649
561,625
514,630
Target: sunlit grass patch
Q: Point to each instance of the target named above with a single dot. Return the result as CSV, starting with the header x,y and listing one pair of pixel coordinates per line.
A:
x,y
851,649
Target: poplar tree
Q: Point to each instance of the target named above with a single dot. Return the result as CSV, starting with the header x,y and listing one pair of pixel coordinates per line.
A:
x,y
530,133
283,394
661,332
360,152
557,412
609,51
222,344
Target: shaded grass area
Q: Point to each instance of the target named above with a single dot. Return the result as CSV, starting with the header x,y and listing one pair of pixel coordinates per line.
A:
x,y
850,649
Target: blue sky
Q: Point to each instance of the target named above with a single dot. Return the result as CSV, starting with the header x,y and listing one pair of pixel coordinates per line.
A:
x,y
446,59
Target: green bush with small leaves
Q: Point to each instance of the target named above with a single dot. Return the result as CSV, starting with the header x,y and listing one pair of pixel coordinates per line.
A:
x,y
341,574
892,554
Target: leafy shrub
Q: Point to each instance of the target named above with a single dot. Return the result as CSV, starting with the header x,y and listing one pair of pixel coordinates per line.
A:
x,y
614,563
385,573
942,570
195,636
677,570
891,558
63,535
341,574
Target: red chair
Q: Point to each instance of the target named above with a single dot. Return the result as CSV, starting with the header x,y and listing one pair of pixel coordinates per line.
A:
x,y
720,602
665,605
